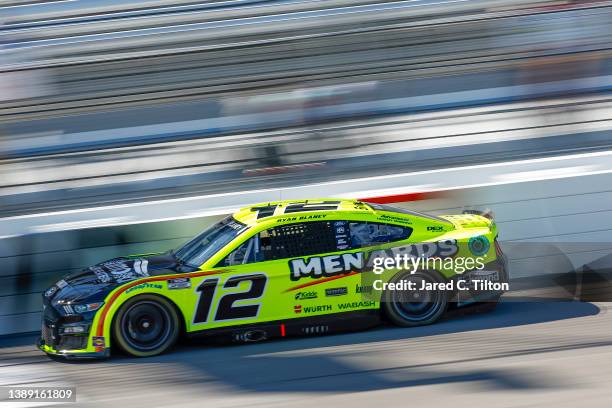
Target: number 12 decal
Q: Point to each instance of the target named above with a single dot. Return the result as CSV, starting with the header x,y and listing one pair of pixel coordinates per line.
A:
x,y
226,310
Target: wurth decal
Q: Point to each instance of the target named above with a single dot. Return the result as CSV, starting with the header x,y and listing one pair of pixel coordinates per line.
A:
x,y
312,309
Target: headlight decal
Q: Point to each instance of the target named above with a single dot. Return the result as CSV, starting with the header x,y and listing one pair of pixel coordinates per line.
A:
x,y
89,307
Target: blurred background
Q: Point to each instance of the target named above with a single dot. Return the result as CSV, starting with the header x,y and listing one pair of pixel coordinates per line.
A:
x,y
127,126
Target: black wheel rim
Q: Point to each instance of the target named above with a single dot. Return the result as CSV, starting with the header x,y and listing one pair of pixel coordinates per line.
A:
x,y
417,305
146,326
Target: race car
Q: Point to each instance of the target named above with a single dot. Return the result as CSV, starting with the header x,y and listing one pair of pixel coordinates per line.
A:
x,y
279,269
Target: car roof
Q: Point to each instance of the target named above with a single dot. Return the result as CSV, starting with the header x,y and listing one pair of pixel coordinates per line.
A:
x,y
257,213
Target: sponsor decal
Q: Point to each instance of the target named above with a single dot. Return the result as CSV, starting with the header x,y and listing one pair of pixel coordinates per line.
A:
x,y
336,291
325,266
145,285
140,267
51,291
363,289
179,283
479,245
399,219
101,275
116,265
435,228
98,341
356,305
235,225
122,272
306,295
312,309
341,233
124,277
317,267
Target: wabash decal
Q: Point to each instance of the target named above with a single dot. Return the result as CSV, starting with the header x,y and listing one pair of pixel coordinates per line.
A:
x,y
356,305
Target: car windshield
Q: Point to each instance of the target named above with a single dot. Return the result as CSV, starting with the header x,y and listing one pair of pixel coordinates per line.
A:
x,y
197,251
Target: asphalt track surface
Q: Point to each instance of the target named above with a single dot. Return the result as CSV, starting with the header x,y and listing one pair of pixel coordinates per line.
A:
x,y
520,355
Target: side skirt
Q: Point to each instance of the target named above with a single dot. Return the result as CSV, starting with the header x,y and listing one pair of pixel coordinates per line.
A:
x,y
300,326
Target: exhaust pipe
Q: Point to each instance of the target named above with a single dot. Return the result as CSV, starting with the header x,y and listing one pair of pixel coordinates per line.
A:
x,y
252,336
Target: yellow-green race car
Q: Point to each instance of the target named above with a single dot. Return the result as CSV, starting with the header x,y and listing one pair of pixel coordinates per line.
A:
x,y
279,269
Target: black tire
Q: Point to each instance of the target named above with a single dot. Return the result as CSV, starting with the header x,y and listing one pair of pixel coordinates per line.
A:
x,y
146,325
416,307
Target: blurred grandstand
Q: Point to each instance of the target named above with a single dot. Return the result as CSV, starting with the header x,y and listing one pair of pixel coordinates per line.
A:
x,y
181,97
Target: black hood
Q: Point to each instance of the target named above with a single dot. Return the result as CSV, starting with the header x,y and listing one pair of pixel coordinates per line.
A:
x,y
94,283
122,270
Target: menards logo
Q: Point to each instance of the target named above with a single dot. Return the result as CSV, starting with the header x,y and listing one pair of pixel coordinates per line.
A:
x,y
325,266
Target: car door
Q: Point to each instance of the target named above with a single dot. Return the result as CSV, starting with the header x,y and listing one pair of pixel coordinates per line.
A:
x,y
320,267
233,292
290,271
289,247
325,261
290,293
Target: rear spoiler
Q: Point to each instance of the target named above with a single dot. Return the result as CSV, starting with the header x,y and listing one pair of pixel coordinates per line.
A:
x,y
487,213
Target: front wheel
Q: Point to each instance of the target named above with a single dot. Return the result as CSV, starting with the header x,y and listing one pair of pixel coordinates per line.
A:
x,y
418,307
146,325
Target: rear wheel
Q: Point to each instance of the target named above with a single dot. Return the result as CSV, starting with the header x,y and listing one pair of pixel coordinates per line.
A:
x,y
417,307
146,325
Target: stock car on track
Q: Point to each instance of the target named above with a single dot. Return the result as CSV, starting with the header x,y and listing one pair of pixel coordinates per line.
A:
x,y
273,270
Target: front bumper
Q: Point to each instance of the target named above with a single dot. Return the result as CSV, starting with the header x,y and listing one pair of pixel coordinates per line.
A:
x,y
54,341
72,354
